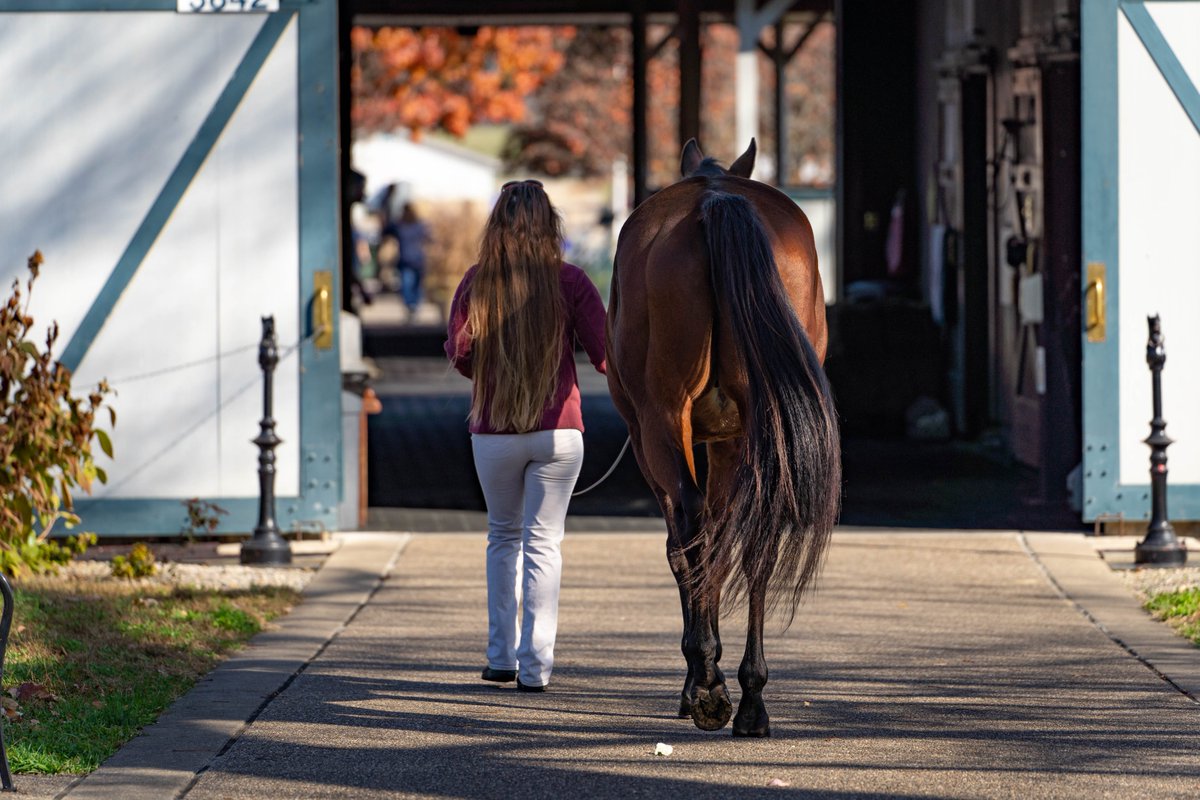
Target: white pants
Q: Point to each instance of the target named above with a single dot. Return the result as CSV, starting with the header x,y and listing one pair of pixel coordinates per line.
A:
x,y
527,481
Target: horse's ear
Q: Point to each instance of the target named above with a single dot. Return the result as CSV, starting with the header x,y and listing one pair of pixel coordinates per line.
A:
x,y
745,162
691,158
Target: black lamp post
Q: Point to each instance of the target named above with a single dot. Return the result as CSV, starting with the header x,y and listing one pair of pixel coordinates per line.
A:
x,y
267,547
1160,548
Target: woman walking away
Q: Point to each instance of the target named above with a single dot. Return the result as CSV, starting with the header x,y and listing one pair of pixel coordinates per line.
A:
x,y
514,322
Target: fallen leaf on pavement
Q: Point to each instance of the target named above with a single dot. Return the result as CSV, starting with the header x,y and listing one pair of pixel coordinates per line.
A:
x,y
777,782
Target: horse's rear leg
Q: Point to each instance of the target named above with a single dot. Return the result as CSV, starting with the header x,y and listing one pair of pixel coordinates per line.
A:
x,y
679,568
752,719
705,697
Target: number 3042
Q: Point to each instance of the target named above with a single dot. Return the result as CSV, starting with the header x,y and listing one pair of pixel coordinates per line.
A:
x,y
225,6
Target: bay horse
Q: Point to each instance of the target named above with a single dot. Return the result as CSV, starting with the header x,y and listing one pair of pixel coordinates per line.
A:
x,y
716,336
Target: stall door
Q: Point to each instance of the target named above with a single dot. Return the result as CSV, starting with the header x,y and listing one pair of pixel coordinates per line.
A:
x,y
1141,248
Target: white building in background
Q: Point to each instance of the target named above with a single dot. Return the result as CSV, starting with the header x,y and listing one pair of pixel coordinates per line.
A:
x,y
430,169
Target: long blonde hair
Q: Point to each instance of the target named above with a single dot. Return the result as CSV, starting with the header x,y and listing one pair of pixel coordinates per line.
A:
x,y
515,314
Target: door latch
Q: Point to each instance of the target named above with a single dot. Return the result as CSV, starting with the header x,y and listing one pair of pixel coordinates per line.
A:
x,y
1095,323
322,309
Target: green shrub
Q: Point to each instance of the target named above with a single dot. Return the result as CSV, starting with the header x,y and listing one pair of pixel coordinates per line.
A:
x,y
203,517
45,453
138,564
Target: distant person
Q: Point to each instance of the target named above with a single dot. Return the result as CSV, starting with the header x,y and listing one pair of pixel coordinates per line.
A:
x,y
411,237
353,279
513,325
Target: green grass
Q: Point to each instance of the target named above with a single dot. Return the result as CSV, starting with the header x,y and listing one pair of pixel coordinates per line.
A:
x,y
1180,609
113,654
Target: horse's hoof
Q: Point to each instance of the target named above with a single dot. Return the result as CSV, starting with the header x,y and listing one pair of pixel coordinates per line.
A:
x,y
752,721
685,708
763,732
759,730
711,708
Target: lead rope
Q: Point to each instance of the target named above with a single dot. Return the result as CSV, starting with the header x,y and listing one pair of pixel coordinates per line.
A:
x,y
604,477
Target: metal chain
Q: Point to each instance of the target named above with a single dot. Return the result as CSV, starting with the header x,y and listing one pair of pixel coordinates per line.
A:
x,y
200,422
187,365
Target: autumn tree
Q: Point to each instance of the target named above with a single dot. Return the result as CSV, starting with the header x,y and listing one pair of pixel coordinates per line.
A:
x,y
446,78
581,117
568,93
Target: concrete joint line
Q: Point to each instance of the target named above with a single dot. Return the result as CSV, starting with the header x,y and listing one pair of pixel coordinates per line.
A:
x,y
153,765
1125,636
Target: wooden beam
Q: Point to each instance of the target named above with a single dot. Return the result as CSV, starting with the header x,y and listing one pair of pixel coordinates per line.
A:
x,y
690,60
641,148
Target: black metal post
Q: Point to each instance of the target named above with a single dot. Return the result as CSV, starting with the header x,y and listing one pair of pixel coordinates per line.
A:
x,y
641,147
267,546
5,625
690,61
1160,548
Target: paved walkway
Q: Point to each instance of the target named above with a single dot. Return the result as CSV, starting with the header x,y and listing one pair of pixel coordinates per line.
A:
x,y
926,665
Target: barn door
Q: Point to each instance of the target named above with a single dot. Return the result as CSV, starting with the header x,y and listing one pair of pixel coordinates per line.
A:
x,y
176,162
1141,248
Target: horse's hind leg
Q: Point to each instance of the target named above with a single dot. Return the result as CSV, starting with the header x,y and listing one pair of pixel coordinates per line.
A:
x,y
705,697
752,719
679,568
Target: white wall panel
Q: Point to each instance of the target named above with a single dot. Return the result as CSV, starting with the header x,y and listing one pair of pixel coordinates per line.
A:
x,y
90,138
95,111
1159,257
1180,26
165,440
258,269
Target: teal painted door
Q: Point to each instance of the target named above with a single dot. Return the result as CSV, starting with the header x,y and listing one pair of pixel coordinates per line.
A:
x,y
1141,247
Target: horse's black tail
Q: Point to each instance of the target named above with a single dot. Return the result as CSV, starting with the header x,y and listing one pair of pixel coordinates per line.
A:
x,y
785,499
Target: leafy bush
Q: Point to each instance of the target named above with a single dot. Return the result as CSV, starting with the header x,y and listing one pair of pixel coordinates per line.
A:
x,y
203,517
45,452
138,564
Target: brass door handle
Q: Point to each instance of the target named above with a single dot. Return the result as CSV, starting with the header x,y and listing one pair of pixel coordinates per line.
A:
x,y
322,309
1095,323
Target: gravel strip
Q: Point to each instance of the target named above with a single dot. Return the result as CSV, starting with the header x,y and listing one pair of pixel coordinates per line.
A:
x,y
229,577
1145,583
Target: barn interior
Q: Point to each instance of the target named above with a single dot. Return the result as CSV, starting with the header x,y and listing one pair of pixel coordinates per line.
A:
x,y
954,233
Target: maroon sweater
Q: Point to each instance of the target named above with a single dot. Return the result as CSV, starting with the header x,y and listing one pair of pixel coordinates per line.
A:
x,y
584,321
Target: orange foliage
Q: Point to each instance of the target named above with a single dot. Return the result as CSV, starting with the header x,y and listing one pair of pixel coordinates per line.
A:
x,y
441,78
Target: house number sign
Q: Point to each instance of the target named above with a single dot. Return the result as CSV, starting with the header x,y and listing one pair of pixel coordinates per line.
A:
x,y
225,6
